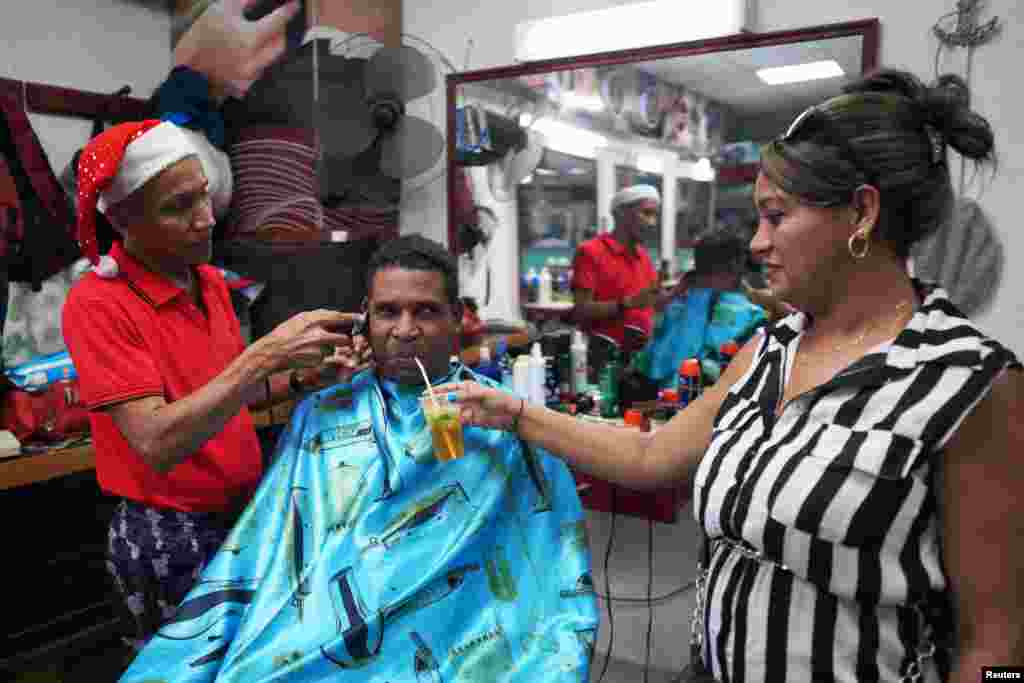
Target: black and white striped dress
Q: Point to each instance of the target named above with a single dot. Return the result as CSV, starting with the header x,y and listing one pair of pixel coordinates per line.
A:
x,y
826,560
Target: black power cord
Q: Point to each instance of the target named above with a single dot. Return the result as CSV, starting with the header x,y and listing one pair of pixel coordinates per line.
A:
x,y
654,600
608,587
650,585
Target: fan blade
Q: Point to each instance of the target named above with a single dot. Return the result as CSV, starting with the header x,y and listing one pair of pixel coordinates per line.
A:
x,y
403,72
346,123
411,149
356,181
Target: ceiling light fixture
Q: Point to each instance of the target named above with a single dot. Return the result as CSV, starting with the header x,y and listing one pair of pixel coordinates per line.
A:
x,y
702,171
797,73
572,100
650,164
568,139
636,24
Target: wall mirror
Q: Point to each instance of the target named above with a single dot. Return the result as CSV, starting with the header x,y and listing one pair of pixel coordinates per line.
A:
x,y
544,145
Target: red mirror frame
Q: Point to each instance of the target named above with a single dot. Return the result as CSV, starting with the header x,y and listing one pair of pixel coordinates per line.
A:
x,y
867,28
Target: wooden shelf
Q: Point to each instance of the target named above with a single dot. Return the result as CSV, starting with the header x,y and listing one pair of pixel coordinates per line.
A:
x,y
30,469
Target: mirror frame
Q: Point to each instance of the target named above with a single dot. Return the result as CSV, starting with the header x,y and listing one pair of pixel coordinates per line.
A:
x,y
867,28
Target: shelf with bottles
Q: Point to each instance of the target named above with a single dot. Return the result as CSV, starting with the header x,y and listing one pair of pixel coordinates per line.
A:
x,y
550,284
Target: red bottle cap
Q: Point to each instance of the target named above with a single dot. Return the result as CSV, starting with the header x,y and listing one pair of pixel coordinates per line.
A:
x,y
634,418
670,396
730,348
690,368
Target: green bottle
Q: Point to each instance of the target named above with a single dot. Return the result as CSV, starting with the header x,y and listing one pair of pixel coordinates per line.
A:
x,y
611,375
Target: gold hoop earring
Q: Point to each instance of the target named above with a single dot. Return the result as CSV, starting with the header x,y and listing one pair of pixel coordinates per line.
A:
x,y
858,254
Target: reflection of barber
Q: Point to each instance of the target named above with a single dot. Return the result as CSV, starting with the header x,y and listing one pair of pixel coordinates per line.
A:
x,y
614,281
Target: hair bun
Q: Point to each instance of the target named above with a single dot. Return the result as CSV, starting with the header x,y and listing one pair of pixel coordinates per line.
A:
x,y
946,106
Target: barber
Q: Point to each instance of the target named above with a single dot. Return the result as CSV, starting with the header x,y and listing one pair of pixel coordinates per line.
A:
x,y
614,282
163,368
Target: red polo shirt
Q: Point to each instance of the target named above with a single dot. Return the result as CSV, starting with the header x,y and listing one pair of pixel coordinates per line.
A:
x,y
139,335
613,272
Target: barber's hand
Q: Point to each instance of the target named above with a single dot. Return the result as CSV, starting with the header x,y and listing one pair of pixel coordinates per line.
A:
x,y
305,340
230,50
346,361
481,406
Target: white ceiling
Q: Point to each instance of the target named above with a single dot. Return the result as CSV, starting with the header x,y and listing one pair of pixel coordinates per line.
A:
x,y
730,78
757,111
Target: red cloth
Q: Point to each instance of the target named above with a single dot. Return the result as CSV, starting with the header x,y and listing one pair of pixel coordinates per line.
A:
x,y
153,341
613,272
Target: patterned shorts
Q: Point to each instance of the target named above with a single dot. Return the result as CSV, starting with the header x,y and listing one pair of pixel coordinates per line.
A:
x,y
155,556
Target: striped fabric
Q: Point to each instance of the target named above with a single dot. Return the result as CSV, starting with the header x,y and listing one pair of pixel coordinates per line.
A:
x,y
826,559
275,196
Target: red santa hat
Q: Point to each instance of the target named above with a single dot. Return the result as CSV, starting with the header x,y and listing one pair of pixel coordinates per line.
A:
x,y
115,164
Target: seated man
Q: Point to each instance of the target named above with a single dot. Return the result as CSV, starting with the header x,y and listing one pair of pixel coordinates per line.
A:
x,y
362,549
712,311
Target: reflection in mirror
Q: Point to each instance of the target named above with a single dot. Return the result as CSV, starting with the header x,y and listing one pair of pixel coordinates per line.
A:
x,y
548,146
557,213
647,172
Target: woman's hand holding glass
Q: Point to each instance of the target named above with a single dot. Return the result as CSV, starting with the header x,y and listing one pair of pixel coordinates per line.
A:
x,y
481,406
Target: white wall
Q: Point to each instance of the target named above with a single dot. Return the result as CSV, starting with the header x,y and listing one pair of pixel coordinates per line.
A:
x,y
100,46
907,42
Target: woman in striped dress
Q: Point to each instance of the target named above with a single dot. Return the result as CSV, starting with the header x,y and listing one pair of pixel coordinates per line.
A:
x,y
858,466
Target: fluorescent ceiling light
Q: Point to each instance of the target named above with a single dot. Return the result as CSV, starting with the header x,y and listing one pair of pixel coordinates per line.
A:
x,y
568,139
795,73
546,171
525,119
637,24
649,164
702,171
571,100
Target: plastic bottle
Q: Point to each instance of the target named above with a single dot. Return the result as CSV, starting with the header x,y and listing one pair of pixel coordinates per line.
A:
x,y
578,359
545,295
563,364
530,281
610,377
563,283
635,418
537,376
689,381
521,377
727,352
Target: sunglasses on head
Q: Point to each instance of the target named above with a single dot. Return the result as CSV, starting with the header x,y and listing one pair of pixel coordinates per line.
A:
x,y
814,121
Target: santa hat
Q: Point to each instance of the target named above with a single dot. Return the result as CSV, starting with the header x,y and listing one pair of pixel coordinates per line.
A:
x,y
115,164
634,194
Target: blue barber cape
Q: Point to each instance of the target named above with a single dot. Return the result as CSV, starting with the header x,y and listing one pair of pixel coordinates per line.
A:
x,y
363,558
